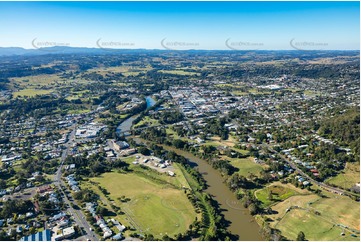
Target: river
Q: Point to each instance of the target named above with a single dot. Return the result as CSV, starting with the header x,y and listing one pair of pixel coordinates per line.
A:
x,y
127,124
241,222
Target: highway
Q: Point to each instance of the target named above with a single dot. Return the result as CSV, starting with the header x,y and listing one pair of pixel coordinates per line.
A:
x,y
78,215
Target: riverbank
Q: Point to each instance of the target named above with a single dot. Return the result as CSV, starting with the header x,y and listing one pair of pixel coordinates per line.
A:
x,y
241,222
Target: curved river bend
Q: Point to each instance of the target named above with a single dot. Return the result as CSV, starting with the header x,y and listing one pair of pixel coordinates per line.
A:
x,y
241,222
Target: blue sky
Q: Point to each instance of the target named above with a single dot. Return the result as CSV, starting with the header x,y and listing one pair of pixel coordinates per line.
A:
x,y
182,25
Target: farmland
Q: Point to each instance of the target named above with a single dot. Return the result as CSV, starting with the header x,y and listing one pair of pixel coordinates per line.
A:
x,y
31,92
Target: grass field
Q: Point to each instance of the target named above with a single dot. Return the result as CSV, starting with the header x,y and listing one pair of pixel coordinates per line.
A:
x,y
279,191
333,209
239,93
348,178
246,166
147,121
31,92
154,208
180,72
125,70
178,180
312,225
36,81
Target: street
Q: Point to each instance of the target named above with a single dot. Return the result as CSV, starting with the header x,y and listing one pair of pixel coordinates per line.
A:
x,y
78,215
295,167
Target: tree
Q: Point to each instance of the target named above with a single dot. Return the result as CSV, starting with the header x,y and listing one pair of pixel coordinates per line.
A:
x,y
270,195
301,236
102,211
253,209
2,184
143,150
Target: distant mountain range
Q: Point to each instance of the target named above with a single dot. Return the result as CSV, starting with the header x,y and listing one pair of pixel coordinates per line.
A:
x,y
11,51
17,51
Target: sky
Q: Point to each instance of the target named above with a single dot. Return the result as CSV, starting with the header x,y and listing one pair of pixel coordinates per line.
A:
x,y
182,25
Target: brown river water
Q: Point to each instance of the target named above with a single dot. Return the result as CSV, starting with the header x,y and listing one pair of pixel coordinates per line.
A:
x,y
241,222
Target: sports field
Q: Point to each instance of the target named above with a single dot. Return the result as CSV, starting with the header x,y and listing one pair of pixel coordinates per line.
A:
x,y
246,166
153,208
320,218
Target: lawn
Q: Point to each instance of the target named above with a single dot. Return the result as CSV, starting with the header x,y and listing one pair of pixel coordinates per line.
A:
x,y
279,193
147,121
31,92
348,178
153,208
246,166
172,133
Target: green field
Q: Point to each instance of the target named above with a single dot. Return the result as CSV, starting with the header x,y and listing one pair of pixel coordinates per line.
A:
x,y
246,166
153,208
180,72
314,227
31,92
333,210
239,93
36,81
147,121
348,178
279,193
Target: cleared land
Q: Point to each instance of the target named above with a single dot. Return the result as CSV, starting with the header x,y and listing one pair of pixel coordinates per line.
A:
x,y
31,92
246,166
124,70
180,72
153,207
298,213
348,178
147,121
275,193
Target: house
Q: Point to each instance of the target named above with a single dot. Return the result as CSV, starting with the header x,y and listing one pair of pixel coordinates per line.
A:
x,y
306,183
117,237
19,229
44,189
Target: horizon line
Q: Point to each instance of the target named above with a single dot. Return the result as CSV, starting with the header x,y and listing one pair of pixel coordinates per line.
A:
x,y
165,49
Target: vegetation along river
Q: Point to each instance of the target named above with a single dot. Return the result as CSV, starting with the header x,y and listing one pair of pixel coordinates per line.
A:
x,y
242,223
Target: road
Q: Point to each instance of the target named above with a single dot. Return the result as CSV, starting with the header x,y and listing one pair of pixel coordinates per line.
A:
x,y
78,215
295,167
